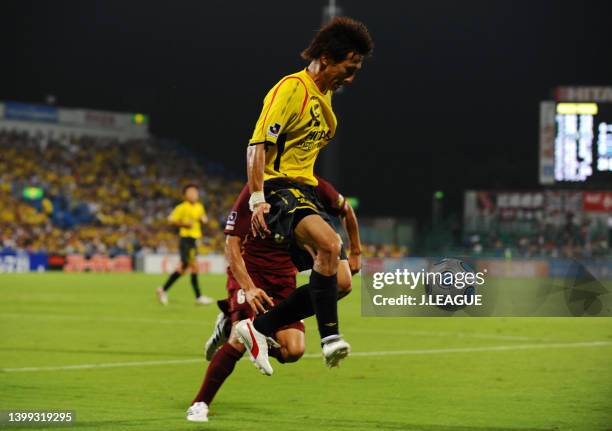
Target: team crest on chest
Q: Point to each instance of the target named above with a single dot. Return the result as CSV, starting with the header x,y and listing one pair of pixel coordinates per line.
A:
x,y
315,115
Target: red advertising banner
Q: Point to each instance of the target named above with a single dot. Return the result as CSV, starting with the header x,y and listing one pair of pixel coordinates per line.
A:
x,y
98,263
597,201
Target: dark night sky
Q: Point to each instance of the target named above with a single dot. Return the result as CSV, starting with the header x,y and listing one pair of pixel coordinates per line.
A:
x,y
449,101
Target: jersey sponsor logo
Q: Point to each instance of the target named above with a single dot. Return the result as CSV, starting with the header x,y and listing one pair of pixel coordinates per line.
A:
x,y
274,130
231,219
316,138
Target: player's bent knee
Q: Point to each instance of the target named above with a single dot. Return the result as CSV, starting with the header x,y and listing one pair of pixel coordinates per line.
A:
x,y
294,352
329,249
344,286
292,344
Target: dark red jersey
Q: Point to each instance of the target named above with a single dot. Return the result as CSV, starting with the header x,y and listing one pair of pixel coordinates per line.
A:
x,y
333,202
267,255
260,255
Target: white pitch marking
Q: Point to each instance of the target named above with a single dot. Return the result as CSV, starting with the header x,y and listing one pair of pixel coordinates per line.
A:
x,y
314,355
106,365
480,349
446,334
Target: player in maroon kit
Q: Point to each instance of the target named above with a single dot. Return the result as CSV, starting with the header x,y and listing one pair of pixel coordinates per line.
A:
x,y
261,274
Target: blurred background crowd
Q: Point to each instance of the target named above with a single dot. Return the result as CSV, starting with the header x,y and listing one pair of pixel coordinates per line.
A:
x,y
94,195
99,196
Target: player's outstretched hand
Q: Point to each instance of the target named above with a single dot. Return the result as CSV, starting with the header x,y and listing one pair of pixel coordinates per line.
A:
x,y
354,261
258,300
258,221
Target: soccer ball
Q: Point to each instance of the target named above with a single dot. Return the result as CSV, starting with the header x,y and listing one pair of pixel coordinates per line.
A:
x,y
451,277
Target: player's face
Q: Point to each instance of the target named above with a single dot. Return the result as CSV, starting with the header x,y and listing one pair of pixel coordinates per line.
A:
x,y
192,194
343,73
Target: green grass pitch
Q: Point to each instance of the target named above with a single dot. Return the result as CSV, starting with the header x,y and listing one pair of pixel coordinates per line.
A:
x,y
137,365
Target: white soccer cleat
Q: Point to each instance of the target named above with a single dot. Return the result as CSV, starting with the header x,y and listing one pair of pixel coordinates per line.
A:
x,y
198,412
218,337
256,344
335,349
162,296
204,300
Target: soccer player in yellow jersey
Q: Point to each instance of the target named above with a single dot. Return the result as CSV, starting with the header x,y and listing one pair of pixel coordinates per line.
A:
x,y
188,216
296,122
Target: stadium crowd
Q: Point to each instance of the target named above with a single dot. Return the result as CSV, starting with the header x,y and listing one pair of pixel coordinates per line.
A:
x,y
100,195
586,238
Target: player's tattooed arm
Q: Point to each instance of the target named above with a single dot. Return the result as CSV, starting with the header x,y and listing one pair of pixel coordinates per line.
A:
x,y
256,161
256,297
349,220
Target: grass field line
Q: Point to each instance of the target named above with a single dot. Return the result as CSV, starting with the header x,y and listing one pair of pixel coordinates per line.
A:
x,y
502,348
205,322
95,317
444,334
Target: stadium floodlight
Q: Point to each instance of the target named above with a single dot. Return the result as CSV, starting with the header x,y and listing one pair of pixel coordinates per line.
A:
x,y
330,11
140,119
328,158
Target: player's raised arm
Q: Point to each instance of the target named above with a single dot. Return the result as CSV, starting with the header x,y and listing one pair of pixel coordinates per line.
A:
x,y
256,297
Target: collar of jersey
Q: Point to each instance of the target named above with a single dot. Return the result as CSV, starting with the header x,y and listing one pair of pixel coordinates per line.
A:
x,y
314,84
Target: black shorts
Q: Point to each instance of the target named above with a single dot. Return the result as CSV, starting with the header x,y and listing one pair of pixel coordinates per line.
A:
x,y
290,202
188,250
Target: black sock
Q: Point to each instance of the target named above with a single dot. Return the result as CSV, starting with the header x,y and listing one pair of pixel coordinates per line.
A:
x,y
173,277
296,306
324,296
194,284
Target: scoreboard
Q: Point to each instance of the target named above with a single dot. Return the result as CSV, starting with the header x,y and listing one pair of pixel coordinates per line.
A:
x,y
576,137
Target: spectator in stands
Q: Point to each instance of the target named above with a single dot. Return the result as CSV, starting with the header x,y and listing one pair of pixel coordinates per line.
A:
x,y
101,196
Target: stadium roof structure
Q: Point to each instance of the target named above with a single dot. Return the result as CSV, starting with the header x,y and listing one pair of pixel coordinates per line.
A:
x,y
38,118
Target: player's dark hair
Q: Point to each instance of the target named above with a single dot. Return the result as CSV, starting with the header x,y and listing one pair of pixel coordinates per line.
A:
x,y
190,185
339,37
